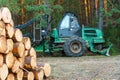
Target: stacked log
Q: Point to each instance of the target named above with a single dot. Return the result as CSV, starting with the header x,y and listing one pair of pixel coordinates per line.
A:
x,y
18,60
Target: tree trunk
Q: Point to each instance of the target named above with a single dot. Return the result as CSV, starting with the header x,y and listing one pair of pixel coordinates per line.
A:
x,y
18,36
1,60
3,72
18,49
100,24
30,62
27,42
9,59
3,42
46,67
6,15
38,74
9,31
28,76
10,76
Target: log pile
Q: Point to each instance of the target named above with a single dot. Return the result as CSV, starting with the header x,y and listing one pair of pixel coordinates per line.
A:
x,y
17,56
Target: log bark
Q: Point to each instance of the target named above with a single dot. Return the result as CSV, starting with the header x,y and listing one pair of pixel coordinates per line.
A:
x,y
18,49
38,74
16,66
32,52
9,31
9,59
27,42
18,36
30,62
28,76
1,60
6,14
19,75
2,28
46,67
3,42
10,44
3,72
10,76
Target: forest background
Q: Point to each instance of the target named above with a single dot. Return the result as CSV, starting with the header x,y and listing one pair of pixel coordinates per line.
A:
x,y
103,14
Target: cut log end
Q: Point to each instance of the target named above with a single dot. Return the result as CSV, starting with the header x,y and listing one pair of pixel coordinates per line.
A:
x,y
30,62
28,76
46,67
6,14
9,31
27,42
3,42
20,74
18,49
9,59
1,60
38,74
3,72
10,77
18,36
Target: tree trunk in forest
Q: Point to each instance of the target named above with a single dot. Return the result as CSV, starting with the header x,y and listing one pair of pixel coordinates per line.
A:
x,y
100,24
22,11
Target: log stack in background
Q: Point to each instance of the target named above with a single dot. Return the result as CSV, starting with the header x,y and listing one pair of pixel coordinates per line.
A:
x,y
18,60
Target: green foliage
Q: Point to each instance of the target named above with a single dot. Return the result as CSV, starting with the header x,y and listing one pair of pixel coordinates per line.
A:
x,y
48,8
13,5
112,29
112,36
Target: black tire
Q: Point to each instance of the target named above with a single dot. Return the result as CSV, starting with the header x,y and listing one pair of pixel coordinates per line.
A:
x,y
74,47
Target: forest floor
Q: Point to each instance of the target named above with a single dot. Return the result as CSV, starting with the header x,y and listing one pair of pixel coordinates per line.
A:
x,y
84,68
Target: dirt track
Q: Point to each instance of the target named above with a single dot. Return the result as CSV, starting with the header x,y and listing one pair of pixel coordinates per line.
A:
x,y
84,68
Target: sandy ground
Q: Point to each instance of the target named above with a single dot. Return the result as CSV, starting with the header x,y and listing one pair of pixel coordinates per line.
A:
x,y
83,68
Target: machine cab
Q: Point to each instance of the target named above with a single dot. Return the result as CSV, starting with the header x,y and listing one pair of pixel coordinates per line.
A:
x,y
68,26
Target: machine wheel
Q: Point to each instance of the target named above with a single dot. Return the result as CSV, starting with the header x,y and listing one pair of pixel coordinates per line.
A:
x,y
74,47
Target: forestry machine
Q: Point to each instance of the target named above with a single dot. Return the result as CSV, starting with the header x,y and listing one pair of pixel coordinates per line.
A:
x,y
69,37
